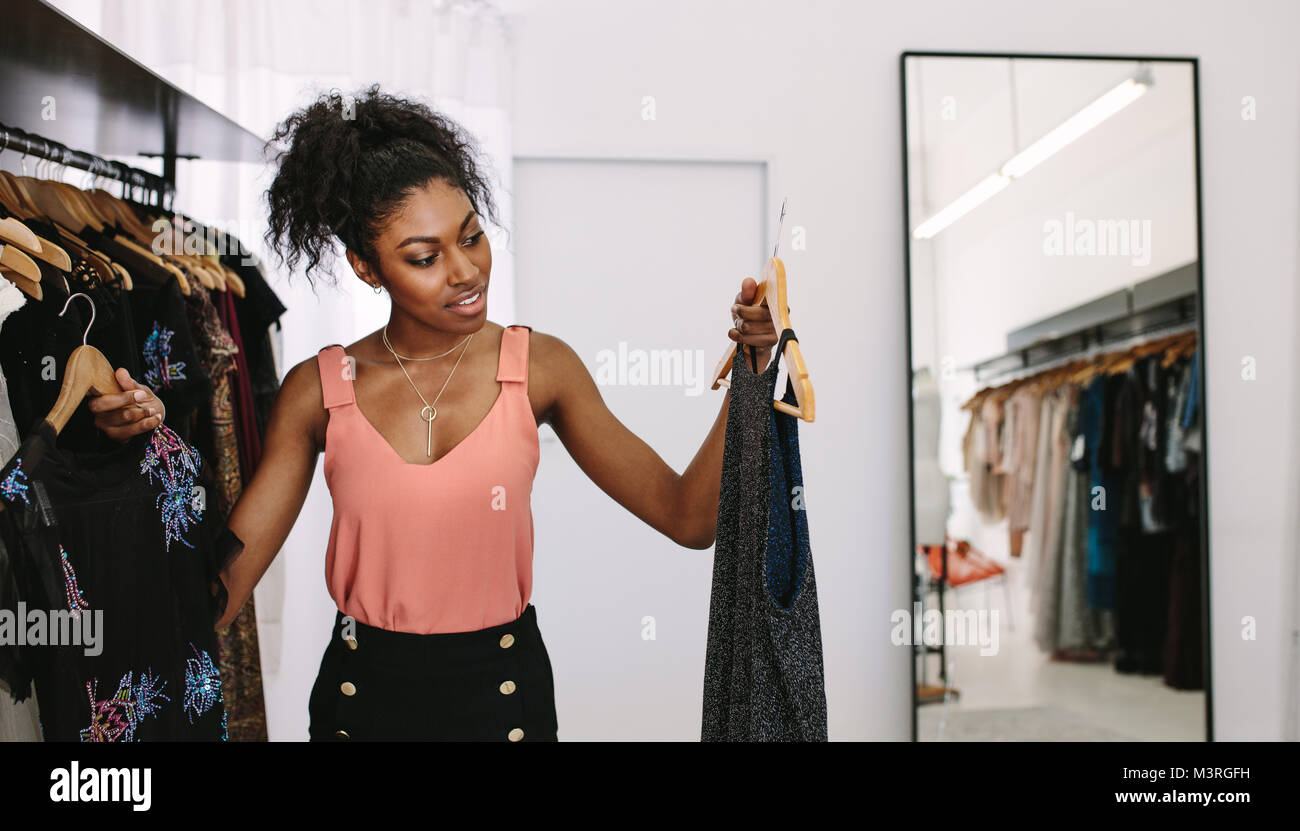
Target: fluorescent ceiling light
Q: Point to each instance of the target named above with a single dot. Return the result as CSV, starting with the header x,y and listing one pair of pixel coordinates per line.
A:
x,y
962,205
1035,154
1073,127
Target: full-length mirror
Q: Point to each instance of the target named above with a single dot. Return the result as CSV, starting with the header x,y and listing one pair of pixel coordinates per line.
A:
x,y
1059,580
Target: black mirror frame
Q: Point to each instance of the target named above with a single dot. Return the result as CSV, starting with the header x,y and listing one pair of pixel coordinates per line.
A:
x,y
1203,484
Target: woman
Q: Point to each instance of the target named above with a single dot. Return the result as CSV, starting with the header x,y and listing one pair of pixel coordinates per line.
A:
x,y
429,431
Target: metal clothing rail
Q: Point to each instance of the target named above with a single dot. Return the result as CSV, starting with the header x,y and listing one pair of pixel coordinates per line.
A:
x,y
1176,313
1101,344
1168,299
13,138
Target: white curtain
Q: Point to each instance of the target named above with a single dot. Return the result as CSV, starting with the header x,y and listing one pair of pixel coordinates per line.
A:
x,y
256,62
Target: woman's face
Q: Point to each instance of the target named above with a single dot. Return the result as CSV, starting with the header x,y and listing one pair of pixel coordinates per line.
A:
x,y
432,254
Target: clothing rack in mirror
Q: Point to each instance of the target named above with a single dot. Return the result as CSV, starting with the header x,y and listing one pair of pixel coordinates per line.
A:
x,y
1160,304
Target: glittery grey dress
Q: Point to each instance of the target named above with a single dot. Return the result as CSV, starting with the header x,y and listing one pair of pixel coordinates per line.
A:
x,y
763,678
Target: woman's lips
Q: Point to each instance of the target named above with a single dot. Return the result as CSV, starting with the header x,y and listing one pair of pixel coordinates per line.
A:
x,y
472,308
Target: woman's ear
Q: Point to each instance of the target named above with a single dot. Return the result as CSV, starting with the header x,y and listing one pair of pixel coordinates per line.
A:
x,y
362,269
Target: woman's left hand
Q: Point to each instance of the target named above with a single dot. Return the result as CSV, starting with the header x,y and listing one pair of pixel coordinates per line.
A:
x,y
752,321
124,414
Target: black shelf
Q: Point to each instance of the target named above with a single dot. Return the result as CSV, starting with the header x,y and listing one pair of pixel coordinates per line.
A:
x,y
105,103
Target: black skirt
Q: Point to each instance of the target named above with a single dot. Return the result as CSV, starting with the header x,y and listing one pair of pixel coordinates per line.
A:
x,y
494,684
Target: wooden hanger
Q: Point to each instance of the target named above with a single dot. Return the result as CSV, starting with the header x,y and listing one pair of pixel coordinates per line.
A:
x,y
124,275
19,186
37,247
13,231
183,265
16,266
100,265
16,261
87,372
85,207
21,270
53,203
157,260
122,216
772,293
44,250
28,287
233,280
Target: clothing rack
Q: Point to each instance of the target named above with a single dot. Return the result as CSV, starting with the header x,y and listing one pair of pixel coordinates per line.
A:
x,y
1100,346
1161,303
12,138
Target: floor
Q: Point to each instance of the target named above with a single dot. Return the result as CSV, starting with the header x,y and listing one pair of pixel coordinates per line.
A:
x,y
1020,694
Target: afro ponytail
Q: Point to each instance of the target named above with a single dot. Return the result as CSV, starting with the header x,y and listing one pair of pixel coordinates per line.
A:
x,y
345,164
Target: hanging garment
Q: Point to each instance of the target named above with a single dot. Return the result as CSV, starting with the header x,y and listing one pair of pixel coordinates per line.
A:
x,y
115,551
1143,544
1183,656
1047,574
19,720
257,311
1022,444
763,676
1103,494
238,654
241,392
35,343
253,315
1040,507
992,497
1081,630
169,356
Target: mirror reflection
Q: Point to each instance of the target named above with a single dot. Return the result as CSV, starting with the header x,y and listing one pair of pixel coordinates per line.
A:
x,y
1057,437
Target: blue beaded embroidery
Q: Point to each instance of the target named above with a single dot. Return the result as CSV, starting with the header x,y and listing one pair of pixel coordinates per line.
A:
x,y
159,370
76,600
14,486
176,464
202,686
116,719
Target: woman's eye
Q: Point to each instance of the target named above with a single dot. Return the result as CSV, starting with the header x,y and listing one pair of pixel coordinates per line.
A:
x,y
469,242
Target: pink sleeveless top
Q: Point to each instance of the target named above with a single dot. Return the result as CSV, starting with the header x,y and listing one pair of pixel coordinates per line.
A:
x,y
432,548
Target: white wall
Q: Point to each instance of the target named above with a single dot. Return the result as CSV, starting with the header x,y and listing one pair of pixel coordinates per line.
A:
x,y
814,87
623,610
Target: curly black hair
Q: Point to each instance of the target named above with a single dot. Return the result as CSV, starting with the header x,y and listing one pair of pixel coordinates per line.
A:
x,y
350,162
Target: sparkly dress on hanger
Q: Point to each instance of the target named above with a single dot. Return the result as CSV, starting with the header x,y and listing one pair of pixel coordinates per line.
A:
x,y
763,677
113,562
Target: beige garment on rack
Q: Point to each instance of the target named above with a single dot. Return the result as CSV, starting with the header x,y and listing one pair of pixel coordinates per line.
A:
x,y
992,498
1022,449
1039,505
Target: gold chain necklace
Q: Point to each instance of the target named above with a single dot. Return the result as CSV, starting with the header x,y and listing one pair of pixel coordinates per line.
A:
x,y
429,411
389,344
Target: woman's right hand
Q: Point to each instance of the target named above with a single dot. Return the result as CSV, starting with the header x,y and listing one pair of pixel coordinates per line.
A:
x,y
128,413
